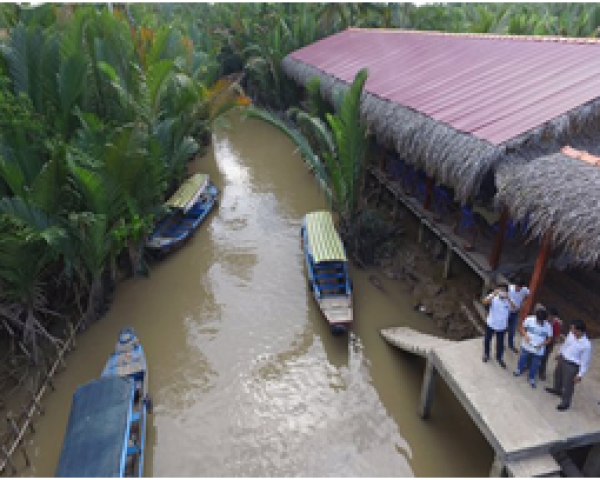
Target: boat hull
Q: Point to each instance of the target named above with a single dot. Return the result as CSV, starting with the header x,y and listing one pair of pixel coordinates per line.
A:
x,y
173,231
106,433
331,288
129,360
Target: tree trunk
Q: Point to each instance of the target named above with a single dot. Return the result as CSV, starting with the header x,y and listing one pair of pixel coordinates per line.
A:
x,y
94,300
29,335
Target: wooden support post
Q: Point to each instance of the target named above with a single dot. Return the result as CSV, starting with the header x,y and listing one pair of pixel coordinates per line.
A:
x,y
60,356
427,389
382,162
72,332
497,467
486,287
429,184
36,405
8,461
494,258
379,194
12,424
25,456
591,467
539,271
448,260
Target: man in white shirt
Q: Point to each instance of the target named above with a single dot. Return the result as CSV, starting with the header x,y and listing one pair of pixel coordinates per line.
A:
x,y
536,334
517,292
496,322
573,362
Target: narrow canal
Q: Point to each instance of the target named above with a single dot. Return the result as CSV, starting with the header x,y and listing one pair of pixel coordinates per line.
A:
x,y
245,377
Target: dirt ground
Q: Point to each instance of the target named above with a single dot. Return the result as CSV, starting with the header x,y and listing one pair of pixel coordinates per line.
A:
x,y
575,293
418,268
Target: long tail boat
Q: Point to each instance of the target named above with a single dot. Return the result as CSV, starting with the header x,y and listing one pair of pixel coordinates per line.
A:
x,y
106,433
188,206
327,268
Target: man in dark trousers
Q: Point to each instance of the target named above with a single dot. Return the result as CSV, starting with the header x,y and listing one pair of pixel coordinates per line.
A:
x,y
573,362
497,321
517,293
556,324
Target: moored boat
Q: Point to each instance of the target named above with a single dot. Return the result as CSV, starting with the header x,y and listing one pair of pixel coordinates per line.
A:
x,y
327,267
188,206
106,433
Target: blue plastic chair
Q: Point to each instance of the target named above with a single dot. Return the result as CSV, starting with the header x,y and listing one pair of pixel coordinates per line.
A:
x,y
409,179
467,220
396,169
511,229
421,190
441,200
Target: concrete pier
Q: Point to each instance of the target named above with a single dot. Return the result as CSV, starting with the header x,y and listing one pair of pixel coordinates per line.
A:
x,y
521,423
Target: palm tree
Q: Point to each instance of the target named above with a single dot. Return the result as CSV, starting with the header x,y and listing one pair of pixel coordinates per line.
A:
x,y
342,147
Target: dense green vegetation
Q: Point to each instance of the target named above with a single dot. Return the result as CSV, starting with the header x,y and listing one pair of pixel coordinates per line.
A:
x,y
102,106
99,119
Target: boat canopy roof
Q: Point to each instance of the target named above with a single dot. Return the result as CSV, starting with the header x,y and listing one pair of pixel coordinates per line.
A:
x,y
324,241
95,441
189,191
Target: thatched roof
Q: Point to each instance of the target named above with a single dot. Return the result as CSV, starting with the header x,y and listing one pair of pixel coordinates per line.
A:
x,y
452,110
559,194
420,140
452,157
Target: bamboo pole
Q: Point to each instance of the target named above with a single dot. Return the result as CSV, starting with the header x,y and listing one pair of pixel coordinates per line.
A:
x,y
35,405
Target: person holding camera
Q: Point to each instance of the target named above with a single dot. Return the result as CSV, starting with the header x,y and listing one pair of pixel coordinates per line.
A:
x,y
497,321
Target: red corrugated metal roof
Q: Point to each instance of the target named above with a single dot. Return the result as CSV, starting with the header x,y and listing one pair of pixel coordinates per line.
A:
x,y
494,87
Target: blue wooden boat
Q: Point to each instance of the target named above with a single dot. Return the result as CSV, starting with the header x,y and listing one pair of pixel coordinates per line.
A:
x,y
188,206
106,433
327,268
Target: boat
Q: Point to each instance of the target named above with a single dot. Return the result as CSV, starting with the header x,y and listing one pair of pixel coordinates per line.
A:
x,y
327,266
187,207
106,432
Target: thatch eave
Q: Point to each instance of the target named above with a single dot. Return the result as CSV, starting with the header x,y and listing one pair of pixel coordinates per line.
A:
x,y
560,195
454,158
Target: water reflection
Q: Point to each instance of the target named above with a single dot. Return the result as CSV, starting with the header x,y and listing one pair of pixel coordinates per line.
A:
x,y
246,378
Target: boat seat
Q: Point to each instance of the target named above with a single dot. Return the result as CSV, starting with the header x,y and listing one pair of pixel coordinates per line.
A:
x,y
329,275
132,450
332,283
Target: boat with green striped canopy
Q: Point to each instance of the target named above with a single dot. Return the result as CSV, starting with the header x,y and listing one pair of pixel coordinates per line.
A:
x,y
327,267
188,206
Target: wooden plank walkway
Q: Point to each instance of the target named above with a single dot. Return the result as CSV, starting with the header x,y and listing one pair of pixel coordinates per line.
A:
x,y
455,244
520,423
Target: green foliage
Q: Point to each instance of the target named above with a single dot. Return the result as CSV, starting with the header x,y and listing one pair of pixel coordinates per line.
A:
x,y
335,154
98,117
102,106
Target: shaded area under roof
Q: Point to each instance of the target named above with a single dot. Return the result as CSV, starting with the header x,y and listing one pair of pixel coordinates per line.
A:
x,y
492,87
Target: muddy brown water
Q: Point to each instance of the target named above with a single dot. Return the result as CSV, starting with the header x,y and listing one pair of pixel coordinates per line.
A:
x,y
245,377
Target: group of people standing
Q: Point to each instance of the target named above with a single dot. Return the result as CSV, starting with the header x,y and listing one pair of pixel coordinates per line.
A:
x,y
540,333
